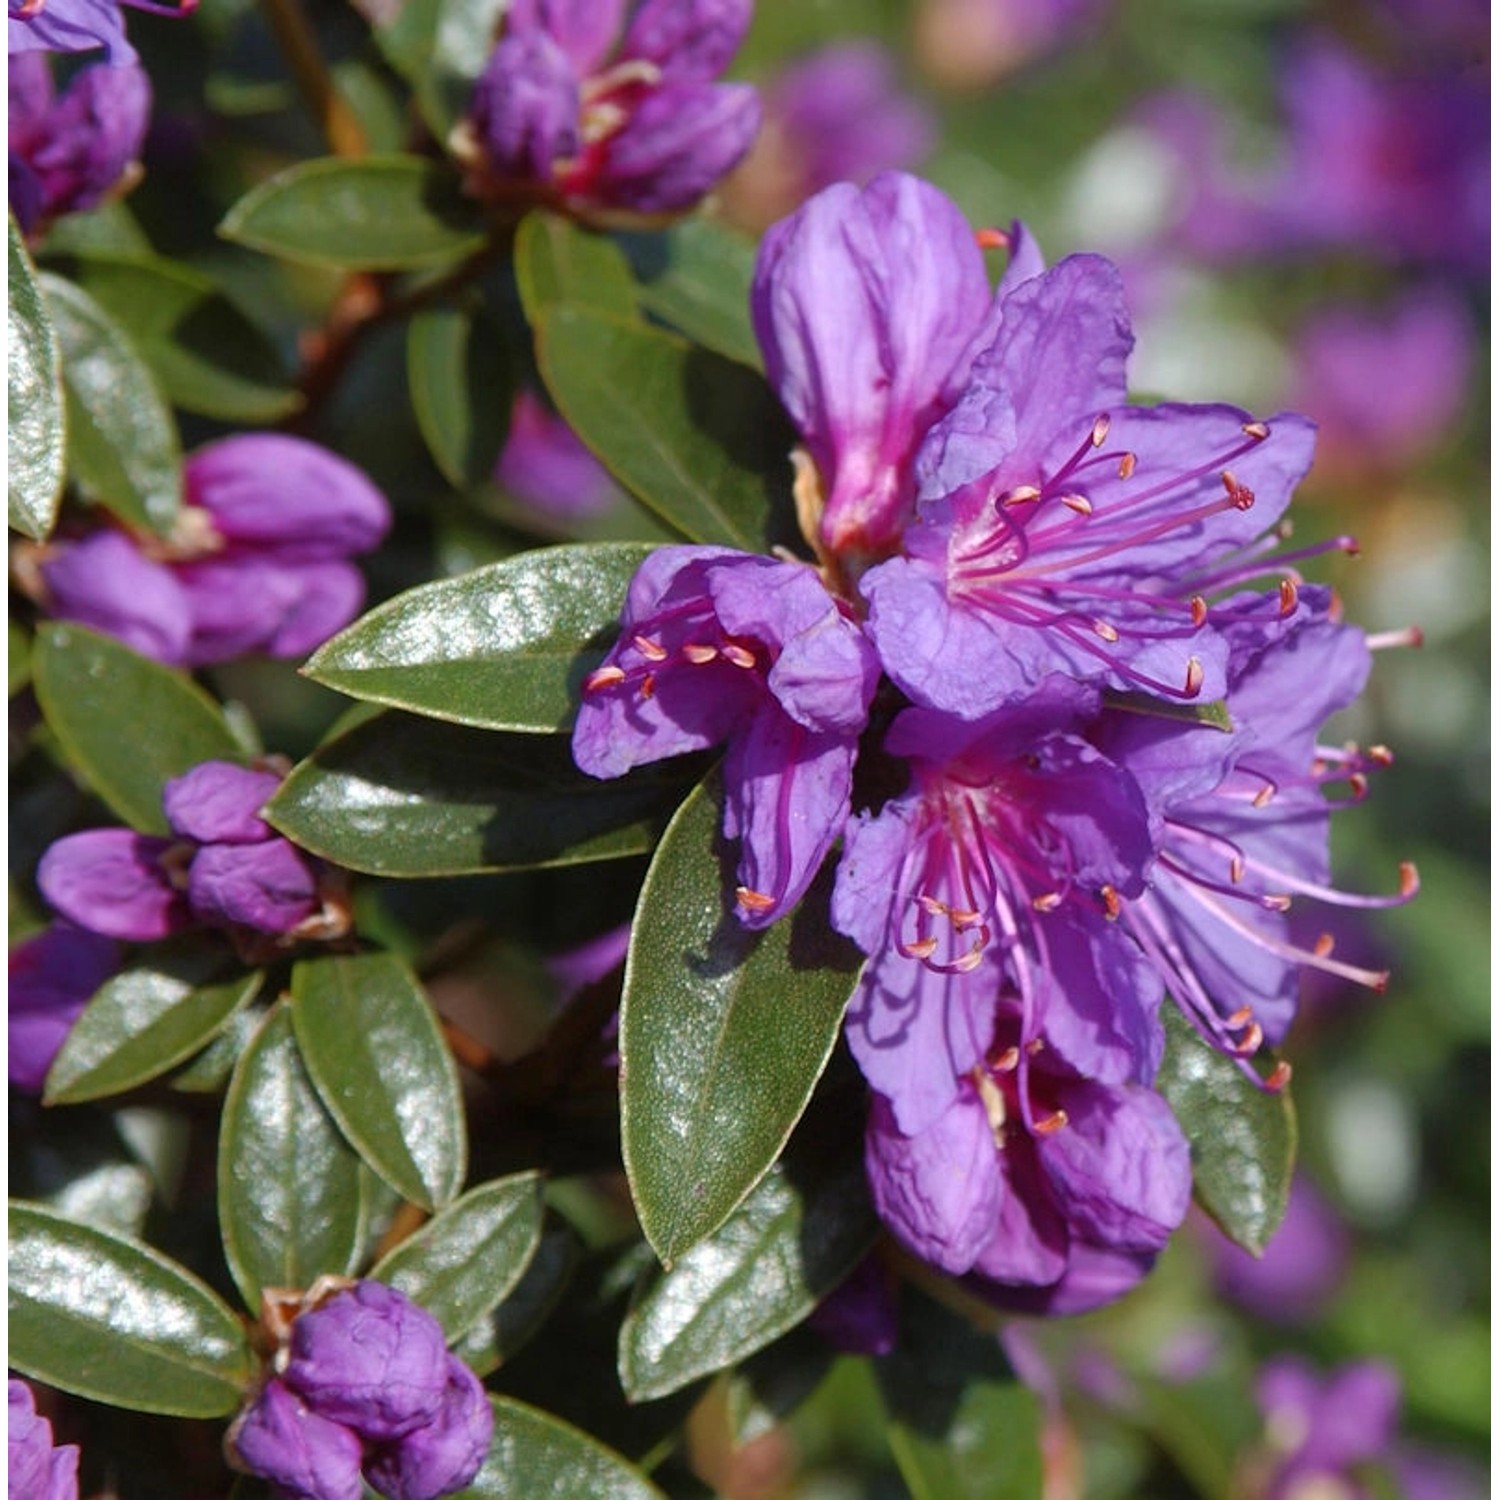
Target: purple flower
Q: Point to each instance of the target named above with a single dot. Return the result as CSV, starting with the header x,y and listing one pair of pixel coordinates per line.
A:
x,y
1054,1192
67,153
37,1470
639,126
545,464
836,115
53,976
860,1315
444,1454
79,25
866,304
372,1360
1060,530
1382,424
257,562
1318,1429
306,1456
1002,864
721,645
225,867
1301,1269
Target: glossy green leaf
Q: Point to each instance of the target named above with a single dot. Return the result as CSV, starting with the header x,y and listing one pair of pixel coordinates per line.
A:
x,y
460,383
110,1319
761,1272
440,47
723,1032
209,356
34,400
379,213
373,1047
696,276
461,1264
504,647
414,797
126,723
559,261
768,1387
122,448
1243,1139
147,1020
500,1334
209,1072
960,1425
290,1206
698,439
534,1456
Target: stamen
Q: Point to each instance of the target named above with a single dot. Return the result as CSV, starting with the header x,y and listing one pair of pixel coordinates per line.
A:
x,y
1198,609
1264,795
602,677
1288,592
1249,1044
1023,494
1100,431
1111,899
1048,901
1324,945
700,654
648,685
1052,1124
1276,901
1194,683
1127,466
1391,639
1007,1061
1105,631
1242,1017
753,900
1241,497
1411,882
920,948
737,655
1381,755
992,239
651,650
1257,430
1079,504
1279,1076
1035,1045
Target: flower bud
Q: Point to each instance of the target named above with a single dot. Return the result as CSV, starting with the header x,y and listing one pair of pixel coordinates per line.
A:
x,y
447,1453
52,977
270,886
305,1455
219,802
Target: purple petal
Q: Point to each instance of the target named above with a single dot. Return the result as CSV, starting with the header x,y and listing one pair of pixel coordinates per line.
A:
x,y
236,604
677,143
443,1455
307,1456
1028,1243
270,887
687,39
36,1470
526,107
584,29
545,464
938,1192
219,802
860,1315
53,976
71,26
286,497
371,1359
112,882
103,582
330,595
1093,1277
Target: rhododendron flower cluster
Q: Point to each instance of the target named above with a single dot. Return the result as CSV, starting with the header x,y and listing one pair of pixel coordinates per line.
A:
x,y
1053,687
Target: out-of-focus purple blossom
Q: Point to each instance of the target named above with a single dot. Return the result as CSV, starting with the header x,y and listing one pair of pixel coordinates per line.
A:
x,y
1301,1268
721,645
1318,1429
974,43
257,562
370,1359
545,465
860,1315
79,25
444,1454
52,977
588,963
37,1470
1425,1473
837,115
304,1455
565,110
1384,387
225,867
68,151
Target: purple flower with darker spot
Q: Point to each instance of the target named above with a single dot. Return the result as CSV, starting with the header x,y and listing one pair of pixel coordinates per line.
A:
x,y
641,126
69,150
1051,1191
1001,866
718,645
224,867
258,560
53,976
1060,530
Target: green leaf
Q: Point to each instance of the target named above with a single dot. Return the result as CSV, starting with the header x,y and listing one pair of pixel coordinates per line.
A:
x,y
463,1262
696,276
460,382
533,1454
500,1334
801,1231
290,1206
413,797
698,439
773,1383
35,398
126,723
209,356
147,1020
559,261
723,1032
117,1322
1243,1139
960,1425
440,47
380,213
504,647
1209,715
122,445
372,1045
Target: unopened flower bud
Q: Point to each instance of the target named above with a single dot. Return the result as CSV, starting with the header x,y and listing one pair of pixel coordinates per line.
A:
x,y
306,1456
446,1454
